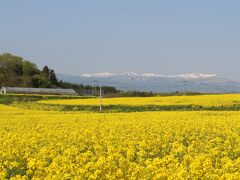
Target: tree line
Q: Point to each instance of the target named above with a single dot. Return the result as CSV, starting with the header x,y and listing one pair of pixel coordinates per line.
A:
x,y
18,72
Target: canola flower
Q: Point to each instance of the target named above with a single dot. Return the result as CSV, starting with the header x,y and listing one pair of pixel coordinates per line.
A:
x,y
199,100
147,145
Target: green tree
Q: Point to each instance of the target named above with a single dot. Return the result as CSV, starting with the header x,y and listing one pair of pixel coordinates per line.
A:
x,y
13,63
11,69
53,78
40,81
46,72
30,68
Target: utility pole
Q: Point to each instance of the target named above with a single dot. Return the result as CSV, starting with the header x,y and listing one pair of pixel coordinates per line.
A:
x,y
132,85
100,94
94,87
93,90
185,87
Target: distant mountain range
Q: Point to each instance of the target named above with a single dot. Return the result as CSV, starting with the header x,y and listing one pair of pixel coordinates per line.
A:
x,y
197,82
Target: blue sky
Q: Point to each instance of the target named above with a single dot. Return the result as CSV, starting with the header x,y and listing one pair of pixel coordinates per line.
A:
x,y
166,37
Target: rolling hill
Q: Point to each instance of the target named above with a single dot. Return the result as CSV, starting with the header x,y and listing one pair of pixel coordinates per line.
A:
x,y
197,82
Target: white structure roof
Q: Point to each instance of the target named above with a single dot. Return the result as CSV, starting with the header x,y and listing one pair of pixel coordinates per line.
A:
x,y
38,90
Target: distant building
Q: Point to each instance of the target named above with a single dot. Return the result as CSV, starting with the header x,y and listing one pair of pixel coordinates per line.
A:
x,y
22,90
3,90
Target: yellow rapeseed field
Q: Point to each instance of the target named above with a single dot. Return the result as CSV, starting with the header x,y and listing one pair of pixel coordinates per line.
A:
x,y
201,100
144,145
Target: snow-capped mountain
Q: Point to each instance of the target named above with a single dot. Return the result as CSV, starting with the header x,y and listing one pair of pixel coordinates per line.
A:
x,y
199,82
148,75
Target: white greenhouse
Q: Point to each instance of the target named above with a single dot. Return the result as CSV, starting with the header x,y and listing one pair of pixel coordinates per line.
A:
x,y
23,90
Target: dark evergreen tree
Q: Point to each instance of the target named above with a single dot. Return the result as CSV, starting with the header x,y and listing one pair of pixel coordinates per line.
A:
x,y
46,72
53,78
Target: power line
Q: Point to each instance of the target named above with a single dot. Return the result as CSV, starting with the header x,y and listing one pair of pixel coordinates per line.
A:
x,y
131,86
